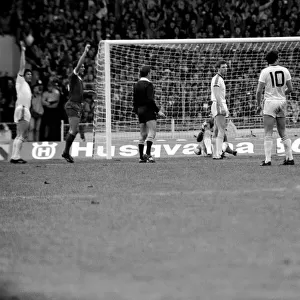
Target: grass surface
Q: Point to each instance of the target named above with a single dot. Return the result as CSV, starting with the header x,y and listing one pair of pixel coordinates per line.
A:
x,y
180,229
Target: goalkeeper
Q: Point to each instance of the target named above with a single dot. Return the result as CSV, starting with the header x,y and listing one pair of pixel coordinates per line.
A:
x,y
204,138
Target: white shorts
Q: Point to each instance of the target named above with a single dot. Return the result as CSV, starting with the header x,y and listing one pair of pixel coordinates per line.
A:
x,y
275,108
22,113
215,112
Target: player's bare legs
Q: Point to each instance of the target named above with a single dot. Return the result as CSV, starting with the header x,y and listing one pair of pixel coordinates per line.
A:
x,y
226,148
143,136
220,125
151,125
22,133
269,122
34,129
207,143
73,130
21,115
280,123
275,103
213,139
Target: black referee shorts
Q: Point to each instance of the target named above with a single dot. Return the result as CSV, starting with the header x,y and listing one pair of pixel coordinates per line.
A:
x,y
145,115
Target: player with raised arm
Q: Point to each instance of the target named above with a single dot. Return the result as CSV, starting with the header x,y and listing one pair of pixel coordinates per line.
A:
x,y
146,109
276,80
73,106
22,114
219,108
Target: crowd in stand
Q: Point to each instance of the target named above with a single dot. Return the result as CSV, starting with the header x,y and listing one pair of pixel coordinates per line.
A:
x,y
56,32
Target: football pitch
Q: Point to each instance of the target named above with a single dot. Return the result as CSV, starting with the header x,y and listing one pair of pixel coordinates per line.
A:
x,y
181,229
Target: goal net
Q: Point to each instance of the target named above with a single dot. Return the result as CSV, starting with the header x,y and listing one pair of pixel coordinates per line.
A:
x,y
181,74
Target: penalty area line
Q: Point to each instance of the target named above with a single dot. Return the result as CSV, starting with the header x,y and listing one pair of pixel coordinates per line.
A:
x,y
55,196
154,193
211,192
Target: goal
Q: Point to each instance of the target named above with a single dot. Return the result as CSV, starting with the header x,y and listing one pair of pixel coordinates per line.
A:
x,y
181,73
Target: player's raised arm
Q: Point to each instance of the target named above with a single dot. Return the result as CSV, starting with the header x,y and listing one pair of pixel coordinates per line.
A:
x,y
81,59
22,114
22,59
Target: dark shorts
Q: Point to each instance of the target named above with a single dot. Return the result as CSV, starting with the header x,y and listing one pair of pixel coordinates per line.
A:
x,y
73,109
145,115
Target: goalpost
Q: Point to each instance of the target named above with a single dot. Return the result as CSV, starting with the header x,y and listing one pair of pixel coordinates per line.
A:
x,y
181,73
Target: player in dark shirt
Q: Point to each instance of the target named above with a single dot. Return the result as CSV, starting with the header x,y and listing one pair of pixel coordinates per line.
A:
x,y
146,109
73,106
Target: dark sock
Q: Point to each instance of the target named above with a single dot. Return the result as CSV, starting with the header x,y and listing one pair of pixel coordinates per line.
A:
x,y
229,150
141,150
148,150
69,140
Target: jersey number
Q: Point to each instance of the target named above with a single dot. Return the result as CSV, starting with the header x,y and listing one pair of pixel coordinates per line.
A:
x,y
279,78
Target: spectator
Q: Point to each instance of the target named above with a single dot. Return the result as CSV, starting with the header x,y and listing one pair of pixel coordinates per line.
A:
x,y
295,111
37,111
9,98
50,127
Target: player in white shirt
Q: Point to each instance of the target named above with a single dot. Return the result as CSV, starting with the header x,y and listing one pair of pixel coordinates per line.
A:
x,y
276,80
22,114
219,108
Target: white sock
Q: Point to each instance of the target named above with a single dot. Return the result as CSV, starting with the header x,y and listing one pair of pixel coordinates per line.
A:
x,y
268,145
219,142
208,145
14,148
202,148
17,146
287,143
213,146
224,146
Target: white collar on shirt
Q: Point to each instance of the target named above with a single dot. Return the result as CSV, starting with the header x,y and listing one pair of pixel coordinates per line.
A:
x,y
77,75
145,79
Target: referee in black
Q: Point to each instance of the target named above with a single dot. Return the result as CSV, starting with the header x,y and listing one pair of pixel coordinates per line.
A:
x,y
146,109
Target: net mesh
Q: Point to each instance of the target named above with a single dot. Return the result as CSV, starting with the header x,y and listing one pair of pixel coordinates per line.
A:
x,y
181,74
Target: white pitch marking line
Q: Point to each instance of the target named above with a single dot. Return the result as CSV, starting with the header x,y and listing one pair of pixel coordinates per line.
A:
x,y
210,192
70,196
54,164
181,140
158,193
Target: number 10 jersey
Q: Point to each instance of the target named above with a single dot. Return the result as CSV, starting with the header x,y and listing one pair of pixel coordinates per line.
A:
x,y
275,78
